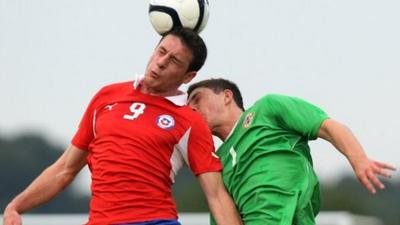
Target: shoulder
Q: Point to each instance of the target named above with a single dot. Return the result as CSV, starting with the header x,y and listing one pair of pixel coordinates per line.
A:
x,y
275,97
280,104
193,117
121,86
109,91
277,104
279,99
272,99
191,114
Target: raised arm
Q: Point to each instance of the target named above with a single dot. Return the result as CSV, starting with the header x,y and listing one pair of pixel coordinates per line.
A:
x,y
47,185
366,170
219,201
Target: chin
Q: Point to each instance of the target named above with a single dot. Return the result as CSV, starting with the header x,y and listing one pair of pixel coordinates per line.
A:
x,y
210,125
150,81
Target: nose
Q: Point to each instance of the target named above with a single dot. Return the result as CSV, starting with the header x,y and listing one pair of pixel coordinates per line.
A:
x,y
162,61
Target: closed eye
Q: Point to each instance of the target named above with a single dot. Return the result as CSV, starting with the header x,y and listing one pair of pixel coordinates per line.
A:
x,y
194,99
176,60
162,50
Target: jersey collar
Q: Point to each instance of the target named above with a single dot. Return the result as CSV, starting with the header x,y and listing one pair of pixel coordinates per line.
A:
x,y
179,100
233,128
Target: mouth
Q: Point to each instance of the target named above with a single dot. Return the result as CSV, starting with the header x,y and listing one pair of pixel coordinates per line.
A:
x,y
154,75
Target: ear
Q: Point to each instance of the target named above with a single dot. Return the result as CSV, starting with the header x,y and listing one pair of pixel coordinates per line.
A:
x,y
189,76
228,96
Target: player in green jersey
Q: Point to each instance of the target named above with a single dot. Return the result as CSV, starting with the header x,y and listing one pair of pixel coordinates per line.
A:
x,y
267,162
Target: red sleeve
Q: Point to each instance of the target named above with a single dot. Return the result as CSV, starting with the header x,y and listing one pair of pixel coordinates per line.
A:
x,y
86,133
201,151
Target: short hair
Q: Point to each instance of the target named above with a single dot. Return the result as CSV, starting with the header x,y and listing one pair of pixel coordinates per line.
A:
x,y
194,43
217,85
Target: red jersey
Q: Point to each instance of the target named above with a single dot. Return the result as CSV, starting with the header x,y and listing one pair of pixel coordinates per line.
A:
x,y
136,144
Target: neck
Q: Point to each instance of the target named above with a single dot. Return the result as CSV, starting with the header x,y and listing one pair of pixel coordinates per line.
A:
x,y
151,91
224,129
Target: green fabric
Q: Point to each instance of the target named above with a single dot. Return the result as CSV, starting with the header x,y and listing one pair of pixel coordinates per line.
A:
x,y
267,162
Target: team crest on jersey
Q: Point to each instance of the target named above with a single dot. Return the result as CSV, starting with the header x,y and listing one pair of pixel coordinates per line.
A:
x,y
248,119
165,122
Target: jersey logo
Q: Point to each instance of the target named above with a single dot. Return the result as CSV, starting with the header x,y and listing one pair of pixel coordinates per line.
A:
x,y
248,119
165,122
110,106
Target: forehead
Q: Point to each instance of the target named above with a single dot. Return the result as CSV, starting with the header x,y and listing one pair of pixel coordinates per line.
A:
x,y
175,45
201,91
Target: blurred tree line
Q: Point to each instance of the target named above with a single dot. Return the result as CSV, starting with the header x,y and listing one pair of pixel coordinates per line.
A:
x,y
24,157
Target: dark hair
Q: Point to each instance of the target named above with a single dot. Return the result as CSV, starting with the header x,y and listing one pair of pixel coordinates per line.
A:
x,y
194,43
218,85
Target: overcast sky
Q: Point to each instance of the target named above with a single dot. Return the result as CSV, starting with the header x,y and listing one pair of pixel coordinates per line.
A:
x,y
342,55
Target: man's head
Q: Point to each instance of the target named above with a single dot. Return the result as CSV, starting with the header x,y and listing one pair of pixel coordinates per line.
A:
x,y
176,60
215,99
194,43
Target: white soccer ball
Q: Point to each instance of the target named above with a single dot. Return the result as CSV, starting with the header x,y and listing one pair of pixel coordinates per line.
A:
x,y
168,14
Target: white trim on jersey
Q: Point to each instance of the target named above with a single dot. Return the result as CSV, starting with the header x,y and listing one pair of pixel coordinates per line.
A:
x,y
233,128
176,163
94,123
179,100
180,154
138,79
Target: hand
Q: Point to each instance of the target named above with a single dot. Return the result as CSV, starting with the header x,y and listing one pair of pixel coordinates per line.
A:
x,y
11,217
367,172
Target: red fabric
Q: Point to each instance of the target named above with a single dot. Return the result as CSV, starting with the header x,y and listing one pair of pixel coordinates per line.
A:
x,y
130,159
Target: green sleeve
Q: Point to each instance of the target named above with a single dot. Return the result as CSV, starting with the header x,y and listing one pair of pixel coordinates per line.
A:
x,y
295,114
212,220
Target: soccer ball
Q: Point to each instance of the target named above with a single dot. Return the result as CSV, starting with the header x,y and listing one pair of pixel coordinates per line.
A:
x,y
166,15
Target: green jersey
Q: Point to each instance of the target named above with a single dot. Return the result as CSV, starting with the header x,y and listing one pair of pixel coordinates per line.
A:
x,y
267,162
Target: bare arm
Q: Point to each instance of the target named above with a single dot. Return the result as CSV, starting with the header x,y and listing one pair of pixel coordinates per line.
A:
x,y
47,185
219,201
366,170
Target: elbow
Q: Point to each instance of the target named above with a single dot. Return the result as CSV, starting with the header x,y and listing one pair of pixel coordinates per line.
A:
x,y
329,128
